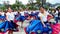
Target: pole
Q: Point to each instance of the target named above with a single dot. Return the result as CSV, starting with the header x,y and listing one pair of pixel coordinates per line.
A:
x,y
42,3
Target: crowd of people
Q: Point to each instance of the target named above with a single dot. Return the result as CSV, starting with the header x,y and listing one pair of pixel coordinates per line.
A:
x,y
40,20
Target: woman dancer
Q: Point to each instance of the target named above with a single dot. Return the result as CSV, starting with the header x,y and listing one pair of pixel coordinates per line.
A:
x,y
11,26
2,23
43,17
41,25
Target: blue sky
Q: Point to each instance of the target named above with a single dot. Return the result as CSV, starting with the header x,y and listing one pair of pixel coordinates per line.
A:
x,y
26,1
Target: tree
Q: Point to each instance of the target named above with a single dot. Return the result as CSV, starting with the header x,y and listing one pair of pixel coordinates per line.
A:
x,y
17,5
30,1
38,2
58,7
3,8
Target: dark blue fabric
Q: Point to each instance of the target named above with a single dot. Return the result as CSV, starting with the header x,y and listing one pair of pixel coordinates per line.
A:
x,y
6,25
21,18
56,18
2,17
36,13
36,25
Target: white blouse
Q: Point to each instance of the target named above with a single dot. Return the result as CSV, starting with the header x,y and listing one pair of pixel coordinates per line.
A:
x,y
2,13
26,11
15,13
44,16
22,13
10,16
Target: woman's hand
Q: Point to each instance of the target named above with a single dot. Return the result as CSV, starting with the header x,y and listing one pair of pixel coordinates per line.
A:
x,y
9,20
44,25
42,22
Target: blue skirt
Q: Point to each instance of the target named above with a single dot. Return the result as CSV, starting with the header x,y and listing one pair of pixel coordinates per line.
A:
x,y
21,18
7,26
36,25
2,17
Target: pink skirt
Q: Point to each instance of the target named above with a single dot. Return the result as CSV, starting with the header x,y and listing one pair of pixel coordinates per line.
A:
x,y
55,28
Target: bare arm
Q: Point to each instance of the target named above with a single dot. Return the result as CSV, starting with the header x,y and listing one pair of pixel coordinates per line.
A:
x,y
42,22
7,18
51,16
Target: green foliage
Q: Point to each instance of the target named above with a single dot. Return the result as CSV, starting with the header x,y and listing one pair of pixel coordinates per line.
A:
x,y
32,6
3,8
16,5
46,7
58,7
38,1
